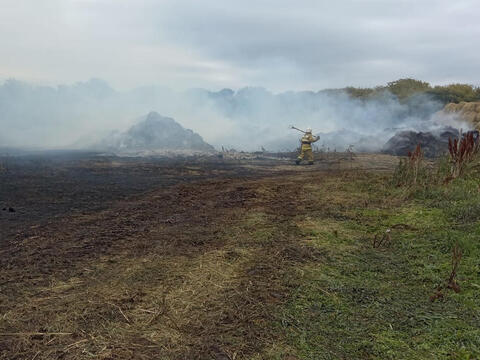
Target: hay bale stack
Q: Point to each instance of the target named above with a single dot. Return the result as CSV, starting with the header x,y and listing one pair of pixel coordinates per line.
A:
x,y
467,111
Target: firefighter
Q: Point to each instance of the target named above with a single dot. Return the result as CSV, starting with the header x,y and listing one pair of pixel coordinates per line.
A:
x,y
306,152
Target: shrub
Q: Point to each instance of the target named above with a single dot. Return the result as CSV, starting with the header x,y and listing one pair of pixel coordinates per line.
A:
x,y
455,93
462,152
410,169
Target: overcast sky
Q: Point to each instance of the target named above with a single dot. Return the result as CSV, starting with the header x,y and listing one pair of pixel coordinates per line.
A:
x,y
277,44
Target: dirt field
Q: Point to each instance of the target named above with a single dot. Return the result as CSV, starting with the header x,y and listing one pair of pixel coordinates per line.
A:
x,y
42,187
106,258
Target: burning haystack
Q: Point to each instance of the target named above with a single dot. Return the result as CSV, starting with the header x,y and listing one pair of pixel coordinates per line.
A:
x,y
433,144
464,115
157,134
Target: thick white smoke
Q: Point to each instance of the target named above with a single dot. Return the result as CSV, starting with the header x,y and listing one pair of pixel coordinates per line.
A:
x,y
80,115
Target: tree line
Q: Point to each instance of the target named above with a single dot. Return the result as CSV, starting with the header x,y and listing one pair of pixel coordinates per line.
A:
x,y
406,88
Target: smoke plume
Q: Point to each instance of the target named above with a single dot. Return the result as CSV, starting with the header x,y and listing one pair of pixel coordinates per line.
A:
x,y
79,115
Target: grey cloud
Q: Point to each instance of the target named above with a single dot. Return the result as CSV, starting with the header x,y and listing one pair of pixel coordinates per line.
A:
x,y
381,39
216,43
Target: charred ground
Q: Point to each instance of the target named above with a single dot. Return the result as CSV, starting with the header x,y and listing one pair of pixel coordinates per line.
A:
x,y
48,185
118,258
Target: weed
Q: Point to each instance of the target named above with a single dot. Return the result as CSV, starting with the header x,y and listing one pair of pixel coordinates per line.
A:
x,y
451,282
456,257
461,153
384,240
410,169
463,211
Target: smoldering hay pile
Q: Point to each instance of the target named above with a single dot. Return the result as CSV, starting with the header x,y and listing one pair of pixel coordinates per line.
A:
x,y
155,134
432,143
464,115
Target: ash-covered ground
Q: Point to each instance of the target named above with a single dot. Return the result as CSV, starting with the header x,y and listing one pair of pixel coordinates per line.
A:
x,y
39,187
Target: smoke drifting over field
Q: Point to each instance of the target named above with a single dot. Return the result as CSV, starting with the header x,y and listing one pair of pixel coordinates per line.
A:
x,y
80,115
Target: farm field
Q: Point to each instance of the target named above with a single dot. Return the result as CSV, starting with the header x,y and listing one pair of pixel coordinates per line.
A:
x,y
105,258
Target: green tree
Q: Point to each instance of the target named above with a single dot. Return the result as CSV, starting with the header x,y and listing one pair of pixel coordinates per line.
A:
x,y
361,93
405,88
456,93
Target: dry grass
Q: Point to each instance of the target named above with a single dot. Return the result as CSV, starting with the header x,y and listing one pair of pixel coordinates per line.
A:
x,y
194,272
278,267
461,151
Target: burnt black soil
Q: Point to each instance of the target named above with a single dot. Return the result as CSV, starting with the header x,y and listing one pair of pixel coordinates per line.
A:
x,y
34,189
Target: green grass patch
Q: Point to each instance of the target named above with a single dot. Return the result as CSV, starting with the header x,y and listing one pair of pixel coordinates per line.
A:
x,y
367,303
